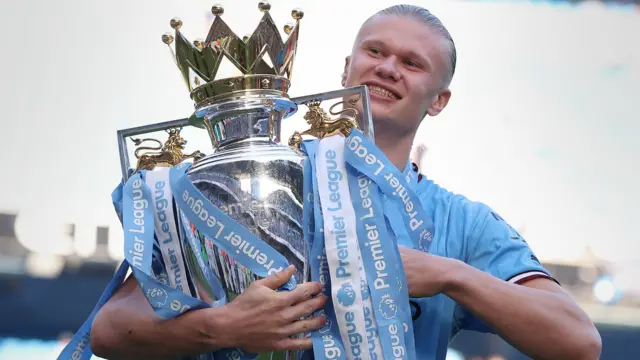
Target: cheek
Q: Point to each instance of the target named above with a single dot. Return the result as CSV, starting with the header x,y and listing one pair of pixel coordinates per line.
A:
x,y
422,98
360,66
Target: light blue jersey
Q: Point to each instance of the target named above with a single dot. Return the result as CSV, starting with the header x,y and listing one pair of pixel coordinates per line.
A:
x,y
473,233
464,230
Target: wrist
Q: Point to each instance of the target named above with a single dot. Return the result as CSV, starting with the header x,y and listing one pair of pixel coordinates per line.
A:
x,y
456,274
218,329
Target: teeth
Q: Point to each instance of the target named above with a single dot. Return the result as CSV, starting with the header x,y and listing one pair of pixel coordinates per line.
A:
x,y
381,91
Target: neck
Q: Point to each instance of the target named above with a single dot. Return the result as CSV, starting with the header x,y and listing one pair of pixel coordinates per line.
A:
x,y
394,144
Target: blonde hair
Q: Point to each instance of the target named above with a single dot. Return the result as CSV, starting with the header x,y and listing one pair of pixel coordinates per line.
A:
x,y
427,18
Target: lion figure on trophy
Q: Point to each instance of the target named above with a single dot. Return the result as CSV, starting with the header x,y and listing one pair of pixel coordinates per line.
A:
x,y
169,154
323,126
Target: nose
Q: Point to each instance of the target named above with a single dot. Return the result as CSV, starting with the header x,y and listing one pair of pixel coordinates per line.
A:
x,y
388,69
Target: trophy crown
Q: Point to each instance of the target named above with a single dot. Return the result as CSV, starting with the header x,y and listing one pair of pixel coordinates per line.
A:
x,y
264,59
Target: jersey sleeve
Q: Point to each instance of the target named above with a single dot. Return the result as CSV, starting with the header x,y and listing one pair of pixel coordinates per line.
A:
x,y
497,248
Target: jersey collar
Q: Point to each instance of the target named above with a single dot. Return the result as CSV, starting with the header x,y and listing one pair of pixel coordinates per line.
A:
x,y
411,174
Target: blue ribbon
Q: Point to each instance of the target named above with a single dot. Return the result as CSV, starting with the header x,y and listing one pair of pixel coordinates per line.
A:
x,y
138,222
364,156
384,270
327,343
248,249
369,171
372,173
134,205
79,348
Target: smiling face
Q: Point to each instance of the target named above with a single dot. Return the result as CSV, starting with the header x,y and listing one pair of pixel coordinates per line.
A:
x,y
404,63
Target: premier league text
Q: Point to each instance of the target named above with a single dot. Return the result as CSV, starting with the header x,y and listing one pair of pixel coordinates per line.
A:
x,y
331,351
335,176
81,347
234,239
370,328
344,265
140,204
355,145
381,280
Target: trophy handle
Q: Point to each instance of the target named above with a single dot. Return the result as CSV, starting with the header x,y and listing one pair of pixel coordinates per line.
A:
x,y
361,93
321,124
168,154
140,130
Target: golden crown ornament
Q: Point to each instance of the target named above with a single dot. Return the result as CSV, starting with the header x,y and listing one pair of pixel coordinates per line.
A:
x,y
263,58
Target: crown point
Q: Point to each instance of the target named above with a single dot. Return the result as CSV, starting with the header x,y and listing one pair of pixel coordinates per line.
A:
x,y
175,23
297,13
199,44
287,28
217,10
264,6
167,38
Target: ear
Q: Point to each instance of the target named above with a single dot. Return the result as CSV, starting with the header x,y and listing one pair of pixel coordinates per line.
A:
x,y
441,102
345,73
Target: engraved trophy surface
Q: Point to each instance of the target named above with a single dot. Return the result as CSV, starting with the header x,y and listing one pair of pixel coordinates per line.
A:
x,y
259,185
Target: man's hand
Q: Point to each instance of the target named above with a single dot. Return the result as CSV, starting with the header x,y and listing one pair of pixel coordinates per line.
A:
x,y
262,319
513,311
427,275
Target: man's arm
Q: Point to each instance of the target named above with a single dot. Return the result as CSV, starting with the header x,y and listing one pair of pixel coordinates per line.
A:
x,y
259,320
127,328
501,287
515,295
538,317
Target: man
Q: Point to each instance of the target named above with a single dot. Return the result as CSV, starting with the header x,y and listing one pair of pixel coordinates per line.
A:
x,y
479,274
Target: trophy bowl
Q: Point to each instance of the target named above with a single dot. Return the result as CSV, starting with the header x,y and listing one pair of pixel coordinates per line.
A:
x,y
258,183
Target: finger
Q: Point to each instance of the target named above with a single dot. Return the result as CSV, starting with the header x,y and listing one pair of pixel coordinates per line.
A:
x,y
278,279
304,326
303,292
304,308
295,344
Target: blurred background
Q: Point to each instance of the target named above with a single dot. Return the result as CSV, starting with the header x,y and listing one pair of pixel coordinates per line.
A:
x,y
543,126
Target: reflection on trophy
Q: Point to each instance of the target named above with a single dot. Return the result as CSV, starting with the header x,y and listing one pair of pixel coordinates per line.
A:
x,y
251,175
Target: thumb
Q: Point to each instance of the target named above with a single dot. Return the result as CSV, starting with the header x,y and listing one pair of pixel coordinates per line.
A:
x,y
278,279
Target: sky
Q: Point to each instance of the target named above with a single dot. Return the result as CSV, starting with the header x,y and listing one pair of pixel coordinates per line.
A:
x,y
542,125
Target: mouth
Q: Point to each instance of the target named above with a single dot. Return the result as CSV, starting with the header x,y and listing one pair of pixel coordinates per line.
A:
x,y
383,92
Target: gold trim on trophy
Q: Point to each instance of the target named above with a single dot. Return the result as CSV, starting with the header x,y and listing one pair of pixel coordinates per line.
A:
x,y
322,125
264,59
168,154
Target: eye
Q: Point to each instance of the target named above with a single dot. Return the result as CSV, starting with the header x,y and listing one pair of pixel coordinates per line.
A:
x,y
374,51
411,63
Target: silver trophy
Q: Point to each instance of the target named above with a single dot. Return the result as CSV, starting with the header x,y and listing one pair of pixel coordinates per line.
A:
x,y
249,173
